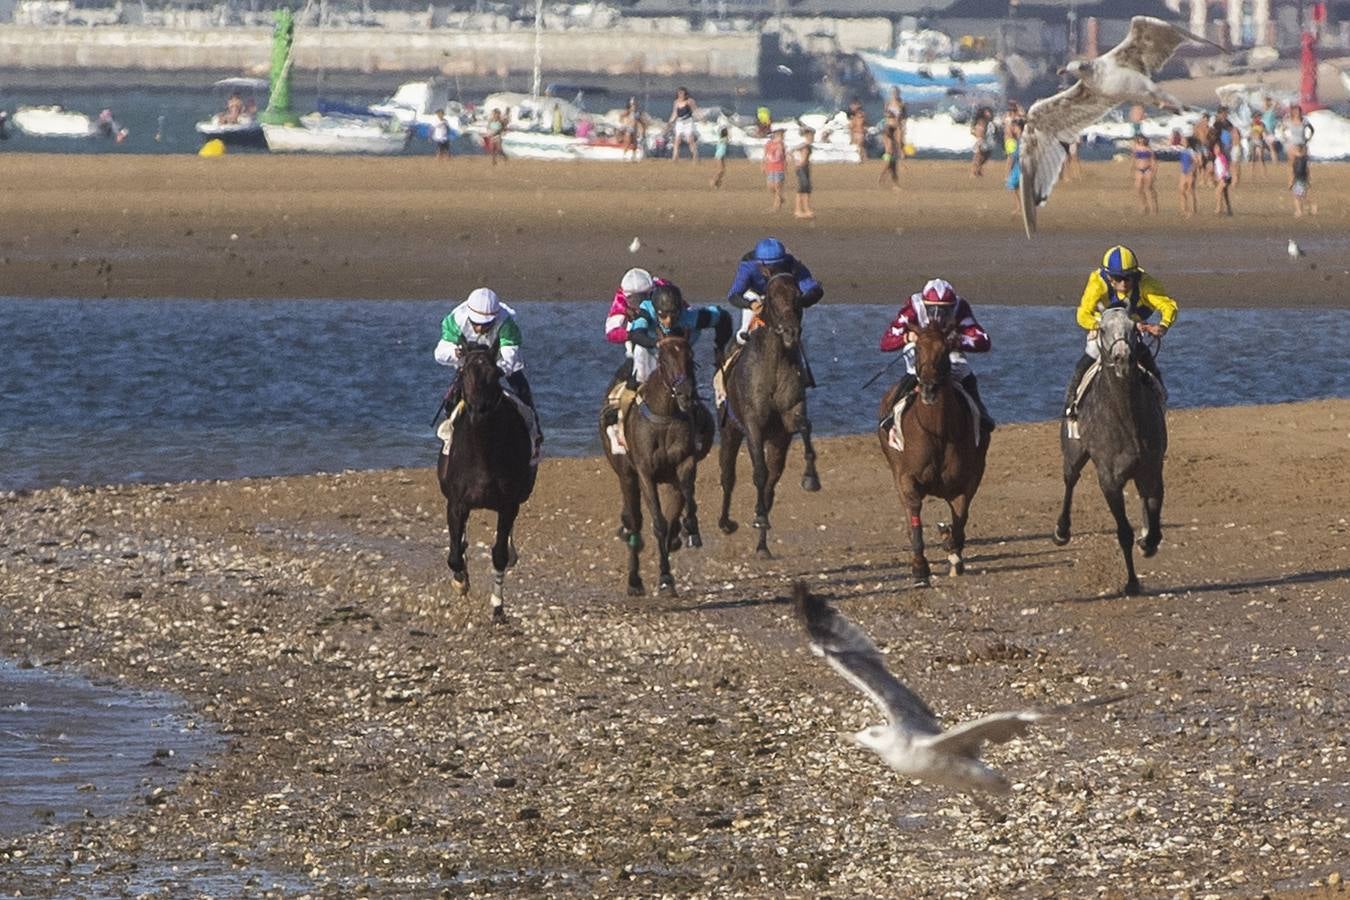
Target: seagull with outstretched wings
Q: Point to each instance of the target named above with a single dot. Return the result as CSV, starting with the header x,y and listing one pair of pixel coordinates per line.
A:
x,y
912,741
1122,75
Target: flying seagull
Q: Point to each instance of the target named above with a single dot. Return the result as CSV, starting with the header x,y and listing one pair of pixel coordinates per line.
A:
x,y
912,741
1122,75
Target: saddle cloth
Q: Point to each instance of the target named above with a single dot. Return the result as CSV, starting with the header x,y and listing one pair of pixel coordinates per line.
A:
x,y
896,439
446,430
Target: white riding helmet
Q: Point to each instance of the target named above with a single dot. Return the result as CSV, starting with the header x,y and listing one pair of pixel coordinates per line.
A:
x,y
636,281
483,306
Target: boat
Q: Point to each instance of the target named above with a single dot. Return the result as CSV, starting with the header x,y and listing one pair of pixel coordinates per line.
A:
x,y
923,67
237,125
53,121
415,105
543,145
318,133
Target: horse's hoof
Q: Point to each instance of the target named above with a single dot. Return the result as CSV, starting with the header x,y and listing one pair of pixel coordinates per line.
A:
x,y
1149,547
957,565
1060,538
693,541
727,526
810,483
461,581
1132,588
921,581
498,613
763,553
636,589
667,588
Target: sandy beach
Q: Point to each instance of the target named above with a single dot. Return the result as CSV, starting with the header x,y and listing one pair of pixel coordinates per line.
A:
x,y
385,739
264,226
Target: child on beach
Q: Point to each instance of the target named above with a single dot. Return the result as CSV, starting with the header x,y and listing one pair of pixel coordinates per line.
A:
x,y
1298,185
1190,167
979,132
1145,171
720,154
775,166
801,160
440,135
1012,145
1223,177
495,126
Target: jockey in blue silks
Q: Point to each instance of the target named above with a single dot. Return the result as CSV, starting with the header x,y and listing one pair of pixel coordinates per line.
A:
x,y
770,258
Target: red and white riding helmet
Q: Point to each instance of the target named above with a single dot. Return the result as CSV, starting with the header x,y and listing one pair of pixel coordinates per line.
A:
x,y
939,292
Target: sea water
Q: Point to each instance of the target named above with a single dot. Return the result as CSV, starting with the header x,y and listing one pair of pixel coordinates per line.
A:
x,y
103,391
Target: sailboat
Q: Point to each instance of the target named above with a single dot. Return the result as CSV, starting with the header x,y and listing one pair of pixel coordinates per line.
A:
x,y
317,132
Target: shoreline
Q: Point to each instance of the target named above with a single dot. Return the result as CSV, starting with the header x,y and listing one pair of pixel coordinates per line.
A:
x,y
385,738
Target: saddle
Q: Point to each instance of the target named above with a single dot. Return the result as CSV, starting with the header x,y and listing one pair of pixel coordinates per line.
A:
x,y
895,437
1071,423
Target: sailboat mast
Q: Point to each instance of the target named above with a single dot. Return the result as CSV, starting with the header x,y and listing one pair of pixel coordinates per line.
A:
x,y
538,46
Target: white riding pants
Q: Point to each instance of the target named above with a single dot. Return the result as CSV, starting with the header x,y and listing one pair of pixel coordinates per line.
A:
x,y
644,363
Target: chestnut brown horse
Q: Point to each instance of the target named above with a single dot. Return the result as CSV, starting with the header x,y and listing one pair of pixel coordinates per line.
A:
x,y
766,406
942,457
667,431
487,467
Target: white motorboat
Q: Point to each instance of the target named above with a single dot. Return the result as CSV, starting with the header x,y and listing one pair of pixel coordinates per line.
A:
x,y
543,145
416,103
53,121
238,125
924,67
337,134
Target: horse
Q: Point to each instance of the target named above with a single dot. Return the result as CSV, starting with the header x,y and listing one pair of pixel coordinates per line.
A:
x,y
487,466
766,406
667,432
945,447
1122,428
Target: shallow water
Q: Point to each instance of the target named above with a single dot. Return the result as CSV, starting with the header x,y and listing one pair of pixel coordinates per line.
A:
x,y
71,748
116,391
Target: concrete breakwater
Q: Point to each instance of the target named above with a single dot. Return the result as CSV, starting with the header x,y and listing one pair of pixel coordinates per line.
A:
x,y
445,51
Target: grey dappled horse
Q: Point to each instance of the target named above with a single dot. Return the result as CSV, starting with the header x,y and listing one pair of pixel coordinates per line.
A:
x,y
766,406
1123,430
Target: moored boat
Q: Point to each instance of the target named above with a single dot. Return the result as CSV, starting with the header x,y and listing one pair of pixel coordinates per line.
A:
x,y
337,134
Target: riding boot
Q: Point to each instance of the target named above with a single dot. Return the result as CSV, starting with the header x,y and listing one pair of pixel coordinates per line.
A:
x,y
1071,395
521,387
1151,366
907,385
808,378
972,388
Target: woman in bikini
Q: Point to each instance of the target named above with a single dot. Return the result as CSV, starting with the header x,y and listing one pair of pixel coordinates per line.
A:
x,y
682,117
1145,171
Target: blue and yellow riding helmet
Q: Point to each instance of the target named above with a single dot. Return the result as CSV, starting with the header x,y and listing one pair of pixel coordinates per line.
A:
x,y
1120,262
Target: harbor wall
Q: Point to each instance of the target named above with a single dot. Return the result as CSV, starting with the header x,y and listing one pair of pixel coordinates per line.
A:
x,y
443,51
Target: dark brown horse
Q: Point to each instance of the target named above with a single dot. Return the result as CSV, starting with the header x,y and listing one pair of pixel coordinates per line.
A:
x,y
1123,430
941,457
766,406
667,432
487,467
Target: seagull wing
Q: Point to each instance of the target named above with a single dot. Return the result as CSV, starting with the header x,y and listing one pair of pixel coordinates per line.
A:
x,y
969,738
853,655
1150,44
1053,123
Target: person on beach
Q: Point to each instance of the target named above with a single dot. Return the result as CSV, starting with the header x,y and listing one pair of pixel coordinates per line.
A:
x,y
857,127
1223,177
801,162
482,319
720,155
1230,139
1258,149
981,132
939,303
440,135
1189,158
896,108
1270,124
1120,282
1145,173
892,149
1298,131
1012,145
495,126
682,118
1203,135
629,124
769,258
775,167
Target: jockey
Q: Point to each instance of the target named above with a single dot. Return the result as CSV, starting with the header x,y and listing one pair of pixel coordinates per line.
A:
x,y
664,312
939,302
747,289
635,287
1119,282
484,319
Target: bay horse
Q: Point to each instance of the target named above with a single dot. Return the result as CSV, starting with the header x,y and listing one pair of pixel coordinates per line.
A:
x,y
1122,428
942,456
766,406
487,467
667,432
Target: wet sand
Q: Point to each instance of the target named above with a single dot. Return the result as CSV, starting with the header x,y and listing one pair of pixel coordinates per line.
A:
x,y
262,226
386,739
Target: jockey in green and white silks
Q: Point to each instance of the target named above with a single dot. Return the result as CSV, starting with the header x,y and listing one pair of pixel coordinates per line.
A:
x,y
484,319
